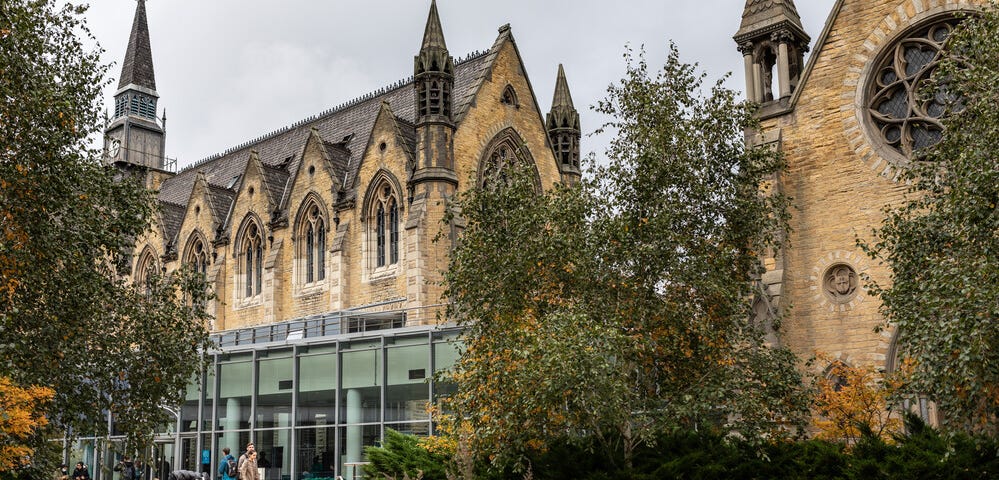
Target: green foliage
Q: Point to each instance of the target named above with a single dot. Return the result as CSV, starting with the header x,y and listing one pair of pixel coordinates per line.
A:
x,y
401,455
620,307
942,245
68,318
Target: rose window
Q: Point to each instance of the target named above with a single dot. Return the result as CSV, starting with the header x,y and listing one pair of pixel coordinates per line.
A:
x,y
901,117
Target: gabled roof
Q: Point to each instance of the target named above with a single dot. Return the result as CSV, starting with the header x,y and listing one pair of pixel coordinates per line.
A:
x,y
137,68
352,122
171,217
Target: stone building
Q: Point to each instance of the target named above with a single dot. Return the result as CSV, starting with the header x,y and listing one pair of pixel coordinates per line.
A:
x,y
847,123
319,238
324,243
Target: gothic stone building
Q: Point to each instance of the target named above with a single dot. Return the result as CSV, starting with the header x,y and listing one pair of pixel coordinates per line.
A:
x,y
324,243
848,124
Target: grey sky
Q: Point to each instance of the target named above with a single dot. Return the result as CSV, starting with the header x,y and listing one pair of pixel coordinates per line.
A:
x,y
228,71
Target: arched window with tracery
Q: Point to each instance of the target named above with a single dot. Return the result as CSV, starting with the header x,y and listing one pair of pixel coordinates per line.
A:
x,y
383,218
251,262
312,242
197,254
145,269
506,151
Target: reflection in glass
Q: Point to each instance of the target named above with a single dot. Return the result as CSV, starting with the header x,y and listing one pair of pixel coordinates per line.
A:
x,y
274,387
317,387
407,389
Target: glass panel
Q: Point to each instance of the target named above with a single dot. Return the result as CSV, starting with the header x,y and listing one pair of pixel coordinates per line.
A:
x,y
407,391
163,460
316,453
235,389
445,355
235,441
421,429
274,387
274,453
190,456
206,457
206,418
189,410
84,451
353,439
360,399
317,388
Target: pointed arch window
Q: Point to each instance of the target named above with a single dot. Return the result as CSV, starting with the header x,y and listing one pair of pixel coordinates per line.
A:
x,y
384,219
197,255
505,152
145,269
251,252
312,243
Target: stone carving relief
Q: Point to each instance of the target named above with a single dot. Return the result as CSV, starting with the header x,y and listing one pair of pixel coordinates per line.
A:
x,y
840,283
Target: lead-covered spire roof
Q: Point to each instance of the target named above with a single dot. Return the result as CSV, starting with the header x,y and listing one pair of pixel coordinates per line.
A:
x,y
433,35
137,68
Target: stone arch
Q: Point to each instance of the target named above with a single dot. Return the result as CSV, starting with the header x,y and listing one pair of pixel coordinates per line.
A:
x,y
198,259
248,252
381,216
310,238
492,160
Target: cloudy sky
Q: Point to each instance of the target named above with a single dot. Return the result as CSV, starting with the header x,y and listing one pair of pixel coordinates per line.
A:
x,y
231,70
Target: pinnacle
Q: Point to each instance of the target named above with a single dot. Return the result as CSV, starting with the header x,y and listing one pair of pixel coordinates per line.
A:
x,y
761,14
562,96
433,36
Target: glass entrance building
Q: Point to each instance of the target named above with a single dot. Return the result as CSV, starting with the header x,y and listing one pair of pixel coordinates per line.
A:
x,y
310,394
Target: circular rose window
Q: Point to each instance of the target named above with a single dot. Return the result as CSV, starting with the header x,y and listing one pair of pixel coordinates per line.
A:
x,y
900,117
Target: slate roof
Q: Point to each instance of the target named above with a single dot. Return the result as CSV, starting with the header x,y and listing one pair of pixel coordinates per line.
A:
x,y
171,215
137,68
346,129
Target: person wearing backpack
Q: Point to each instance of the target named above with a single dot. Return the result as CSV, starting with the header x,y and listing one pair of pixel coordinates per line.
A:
x,y
227,467
127,468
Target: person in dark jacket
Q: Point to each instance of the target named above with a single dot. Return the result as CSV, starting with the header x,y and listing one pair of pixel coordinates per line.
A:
x,y
80,473
127,468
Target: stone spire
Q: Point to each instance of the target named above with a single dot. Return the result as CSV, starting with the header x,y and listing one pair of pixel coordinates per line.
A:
x,y
563,129
433,35
771,38
433,80
137,67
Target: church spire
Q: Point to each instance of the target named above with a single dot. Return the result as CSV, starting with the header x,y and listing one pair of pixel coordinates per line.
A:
x,y
563,129
137,67
771,36
135,136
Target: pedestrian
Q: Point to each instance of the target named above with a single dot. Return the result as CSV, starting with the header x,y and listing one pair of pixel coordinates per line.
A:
x,y
127,468
228,468
249,469
62,473
242,458
80,473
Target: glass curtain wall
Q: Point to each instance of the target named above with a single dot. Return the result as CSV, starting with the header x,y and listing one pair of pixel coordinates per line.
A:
x,y
310,409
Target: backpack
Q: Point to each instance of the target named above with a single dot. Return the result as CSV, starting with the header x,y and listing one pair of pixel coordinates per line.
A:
x,y
230,468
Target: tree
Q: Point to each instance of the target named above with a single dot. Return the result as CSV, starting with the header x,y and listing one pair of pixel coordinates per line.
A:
x,y
69,320
942,244
20,420
854,400
621,308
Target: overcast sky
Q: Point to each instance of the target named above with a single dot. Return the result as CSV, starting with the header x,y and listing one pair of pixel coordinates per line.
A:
x,y
228,71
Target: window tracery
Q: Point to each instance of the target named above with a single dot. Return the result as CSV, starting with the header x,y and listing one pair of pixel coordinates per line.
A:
x,y
312,244
505,152
899,116
251,252
145,269
197,255
384,220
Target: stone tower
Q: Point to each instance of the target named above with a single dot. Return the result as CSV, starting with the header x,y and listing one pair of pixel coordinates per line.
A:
x,y
432,180
135,137
771,38
563,130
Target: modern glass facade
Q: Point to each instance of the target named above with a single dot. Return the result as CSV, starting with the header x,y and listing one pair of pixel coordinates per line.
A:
x,y
310,404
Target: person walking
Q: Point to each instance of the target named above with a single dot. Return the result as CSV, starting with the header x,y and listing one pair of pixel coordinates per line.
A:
x,y
242,458
248,471
228,468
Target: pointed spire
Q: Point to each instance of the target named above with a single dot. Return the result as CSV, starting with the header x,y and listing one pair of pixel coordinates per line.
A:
x,y
761,15
137,67
562,96
433,35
